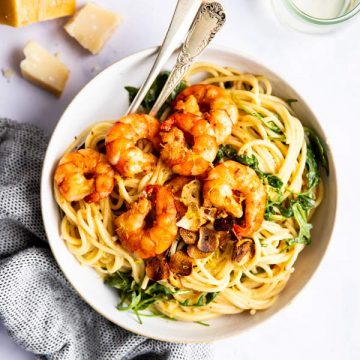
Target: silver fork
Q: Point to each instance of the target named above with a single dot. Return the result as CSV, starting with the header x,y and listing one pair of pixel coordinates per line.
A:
x,y
208,21
184,12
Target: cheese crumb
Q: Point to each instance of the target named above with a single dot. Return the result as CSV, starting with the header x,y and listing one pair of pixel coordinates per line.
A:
x,y
92,26
7,74
44,69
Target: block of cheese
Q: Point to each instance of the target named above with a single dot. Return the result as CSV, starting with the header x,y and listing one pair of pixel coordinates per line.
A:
x,y
44,69
92,26
23,12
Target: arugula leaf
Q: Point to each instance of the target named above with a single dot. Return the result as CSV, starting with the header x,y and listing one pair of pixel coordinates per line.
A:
x,y
312,175
272,126
121,281
306,201
203,300
318,148
290,101
225,151
202,323
229,152
300,206
136,298
286,207
206,298
249,111
132,91
272,207
157,289
257,115
273,181
298,209
287,211
300,217
154,92
251,161
132,297
269,209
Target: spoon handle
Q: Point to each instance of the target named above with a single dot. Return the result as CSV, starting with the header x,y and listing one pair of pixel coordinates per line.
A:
x,y
184,12
208,21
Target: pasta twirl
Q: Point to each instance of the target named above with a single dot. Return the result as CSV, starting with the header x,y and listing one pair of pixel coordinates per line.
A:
x,y
268,131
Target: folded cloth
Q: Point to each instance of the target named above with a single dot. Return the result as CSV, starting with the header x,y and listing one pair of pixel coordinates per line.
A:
x,y
40,309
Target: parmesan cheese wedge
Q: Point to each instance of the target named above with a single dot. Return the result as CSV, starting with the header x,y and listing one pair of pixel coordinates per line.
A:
x,y
23,12
92,26
44,69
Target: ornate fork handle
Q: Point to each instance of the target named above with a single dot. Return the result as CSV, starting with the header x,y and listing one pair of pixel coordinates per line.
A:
x,y
184,12
208,21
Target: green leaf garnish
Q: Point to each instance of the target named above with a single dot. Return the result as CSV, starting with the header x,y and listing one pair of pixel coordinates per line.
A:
x,y
290,101
318,148
229,152
154,92
312,175
300,215
132,91
272,126
202,323
203,300
132,297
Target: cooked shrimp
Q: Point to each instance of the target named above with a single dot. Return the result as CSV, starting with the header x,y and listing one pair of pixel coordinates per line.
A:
x,y
84,174
176,185
149,227
227,185
212,103
121,144
178,133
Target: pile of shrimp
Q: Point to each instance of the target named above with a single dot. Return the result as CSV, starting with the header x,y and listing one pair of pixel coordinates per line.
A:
x,y
201,119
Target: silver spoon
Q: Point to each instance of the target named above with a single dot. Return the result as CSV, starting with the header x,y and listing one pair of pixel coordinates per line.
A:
x,y
184,12
208,21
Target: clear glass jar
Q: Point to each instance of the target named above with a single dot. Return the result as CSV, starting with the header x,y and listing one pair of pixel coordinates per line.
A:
x,y
316,16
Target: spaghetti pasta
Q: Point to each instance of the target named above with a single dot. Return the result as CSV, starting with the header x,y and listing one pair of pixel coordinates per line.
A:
x,y
267,130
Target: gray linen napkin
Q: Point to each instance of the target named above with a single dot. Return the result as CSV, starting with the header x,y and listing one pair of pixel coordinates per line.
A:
x,y
40,309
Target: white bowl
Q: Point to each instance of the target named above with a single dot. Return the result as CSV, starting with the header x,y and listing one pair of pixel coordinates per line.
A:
x,y
105,98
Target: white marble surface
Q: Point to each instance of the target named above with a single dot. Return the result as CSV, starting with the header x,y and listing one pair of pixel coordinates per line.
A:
x,y
324,321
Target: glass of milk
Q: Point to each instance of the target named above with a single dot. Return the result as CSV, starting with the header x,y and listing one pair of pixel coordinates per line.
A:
x,y
316,16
